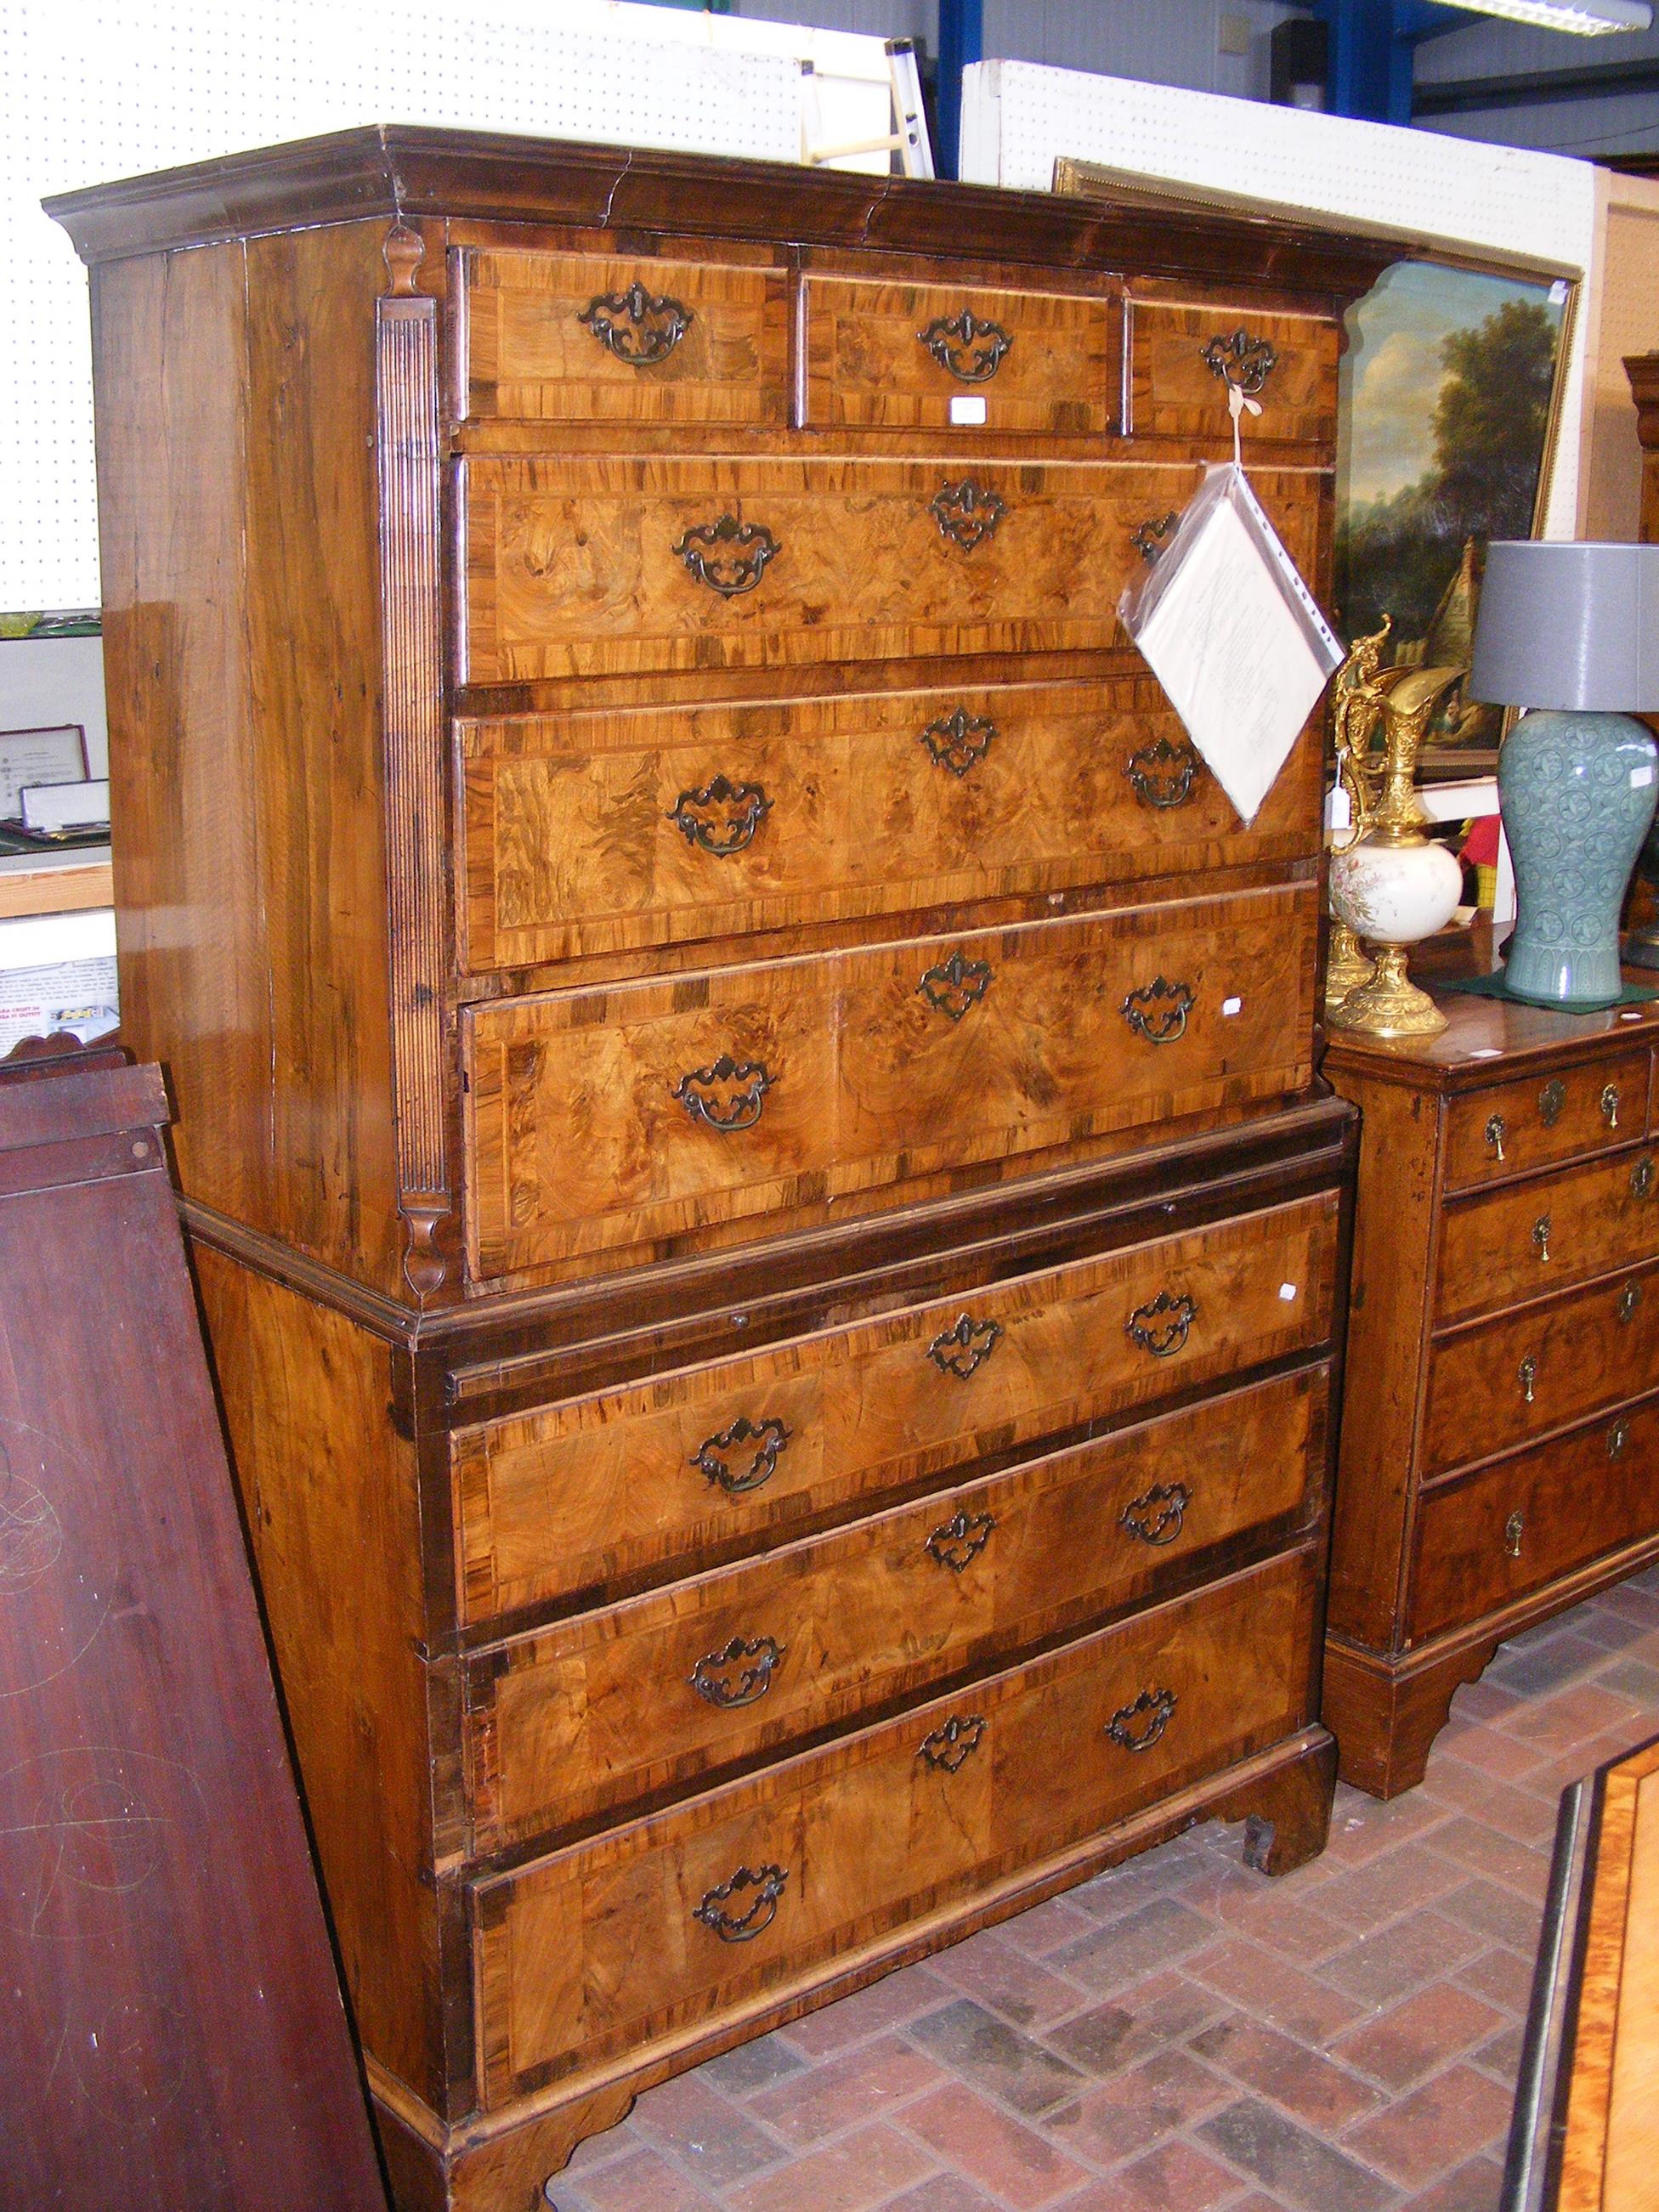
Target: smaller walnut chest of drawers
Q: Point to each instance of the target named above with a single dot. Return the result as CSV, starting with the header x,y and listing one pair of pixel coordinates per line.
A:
x,y
1500,1442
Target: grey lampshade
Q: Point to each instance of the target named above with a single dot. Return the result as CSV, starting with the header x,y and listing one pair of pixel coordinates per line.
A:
x,y
1568,625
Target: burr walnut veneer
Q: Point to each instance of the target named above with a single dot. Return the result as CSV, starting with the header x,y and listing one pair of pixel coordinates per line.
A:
x,y
745,1105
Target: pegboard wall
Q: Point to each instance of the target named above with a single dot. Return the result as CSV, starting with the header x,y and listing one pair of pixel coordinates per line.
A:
x,y
95,89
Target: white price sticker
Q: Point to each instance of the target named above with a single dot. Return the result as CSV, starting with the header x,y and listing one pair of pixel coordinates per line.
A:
x,y
967,407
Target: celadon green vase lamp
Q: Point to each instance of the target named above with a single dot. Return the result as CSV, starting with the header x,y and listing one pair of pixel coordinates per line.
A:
x,y
1571,633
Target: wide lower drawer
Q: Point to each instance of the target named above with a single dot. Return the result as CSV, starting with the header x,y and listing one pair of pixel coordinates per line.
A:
x,y
1502,1381
1509,1528
592,833
1536,1237
655,1926
1514,1127
599,1712
1182,359
587,566
600,1120
641,1479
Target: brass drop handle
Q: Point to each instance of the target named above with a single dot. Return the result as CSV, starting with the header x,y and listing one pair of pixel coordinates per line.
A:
x,y
1610,1105
1242,360
1514,1527
728,556
1528,1373
1162,774
1629,1298
1163,1325
722,817
1496,1131
1156,1517
967,512
1138,1725
741,1675
1617,1436
639,330
956,1543
722,1457
1550,1099
728,1097
953,1743
1158,1010
1150,538
763,1885
958,741
1641,1177
1541,1237
970,347
954,985
965,1346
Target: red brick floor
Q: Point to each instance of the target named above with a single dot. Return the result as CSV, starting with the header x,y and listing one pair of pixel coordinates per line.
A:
x,y
1181,2035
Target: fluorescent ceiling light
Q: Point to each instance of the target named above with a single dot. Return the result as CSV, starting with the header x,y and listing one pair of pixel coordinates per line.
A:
x,y
1587,17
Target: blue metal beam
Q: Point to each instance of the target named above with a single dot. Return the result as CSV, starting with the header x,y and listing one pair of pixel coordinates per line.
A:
x,y
961,42
1371,46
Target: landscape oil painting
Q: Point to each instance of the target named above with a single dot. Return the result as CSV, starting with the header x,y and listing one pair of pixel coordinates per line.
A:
x,y
1449,406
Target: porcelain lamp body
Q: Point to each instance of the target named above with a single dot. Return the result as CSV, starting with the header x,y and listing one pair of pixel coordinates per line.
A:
x,y
1577,791
1396,894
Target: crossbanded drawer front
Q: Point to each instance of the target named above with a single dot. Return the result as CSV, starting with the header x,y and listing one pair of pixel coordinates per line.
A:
x,y
1495,1536
658,1925
600,832
569,338
1496,1384
593,1713
1513,1127
640,1479
1181,360
587,566
897,357
600,1120
1539,1236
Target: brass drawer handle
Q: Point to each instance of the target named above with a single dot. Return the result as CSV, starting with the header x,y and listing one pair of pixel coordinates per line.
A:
x,y
1610,1105
1528,1373
1161,1327
967,512
768,1438
1617,1437
1241,360
954,985
1158,1011
741,1675
1629,1298
728,556
1541,1237
1513,1530
966,1345
722,817
1156,1517
637,329
1641,1177
958,741
1496,1129
1162,774
727,1097
766,1882
1550,1099
1138,1727
971,346
951,1746
958,1542
1150,538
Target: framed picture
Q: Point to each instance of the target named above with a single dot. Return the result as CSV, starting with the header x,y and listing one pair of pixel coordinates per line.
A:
x,y
57,755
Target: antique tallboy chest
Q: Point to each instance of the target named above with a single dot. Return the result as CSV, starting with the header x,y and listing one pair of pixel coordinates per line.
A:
x,y
745,1103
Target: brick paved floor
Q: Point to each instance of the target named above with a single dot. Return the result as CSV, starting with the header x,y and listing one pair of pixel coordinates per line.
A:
x,y
1181,2035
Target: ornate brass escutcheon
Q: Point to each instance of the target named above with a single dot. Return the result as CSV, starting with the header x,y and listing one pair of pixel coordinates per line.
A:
x,y
971,346
1158,1010
959,1541
954,985
1527,1375
728,1097
741,1675
1496,1130
1157,1514
728,556
1617,1437
1150,538
1514,1529
967,1344
1541,1237
764,1885
1163,775
1629,1298
1138,1727
636,328
722,817
1240,360
1161,1327
1610,1105
953,1744
967,512
958,741
1550,1099
718,1456
1641,1177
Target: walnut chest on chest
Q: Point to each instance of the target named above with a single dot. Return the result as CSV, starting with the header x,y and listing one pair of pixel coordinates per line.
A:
x,y
744,1103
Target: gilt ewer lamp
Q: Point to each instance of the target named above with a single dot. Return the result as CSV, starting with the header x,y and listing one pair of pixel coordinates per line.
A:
x,y
1571,633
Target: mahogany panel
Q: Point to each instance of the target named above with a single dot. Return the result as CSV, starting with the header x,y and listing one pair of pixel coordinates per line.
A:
x,y
603,1485
654,1926
1175,392
594,832
1521,1241
599,1119
1511,1127
601,1711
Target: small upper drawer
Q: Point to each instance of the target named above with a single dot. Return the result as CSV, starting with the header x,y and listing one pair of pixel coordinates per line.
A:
x,y
603,1119
567,338
904,357
640,1479
1528,1238
595,832
1531,1123
1182,359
